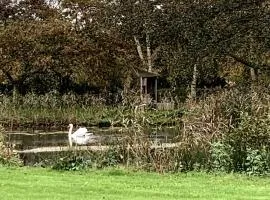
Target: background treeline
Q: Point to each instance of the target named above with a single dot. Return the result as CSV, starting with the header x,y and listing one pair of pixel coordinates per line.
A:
x,y
88,46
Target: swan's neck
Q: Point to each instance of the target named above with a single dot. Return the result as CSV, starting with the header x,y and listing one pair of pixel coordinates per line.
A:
x,y
69,136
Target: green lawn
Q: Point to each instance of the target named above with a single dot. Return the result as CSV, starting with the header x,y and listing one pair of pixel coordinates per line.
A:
x,y
36,183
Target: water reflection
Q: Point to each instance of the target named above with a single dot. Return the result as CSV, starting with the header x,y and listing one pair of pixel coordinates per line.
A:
x,y
27,139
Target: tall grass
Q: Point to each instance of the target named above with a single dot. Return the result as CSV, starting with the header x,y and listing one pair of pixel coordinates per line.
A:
x,y
49,109
226,131
7,156
57,110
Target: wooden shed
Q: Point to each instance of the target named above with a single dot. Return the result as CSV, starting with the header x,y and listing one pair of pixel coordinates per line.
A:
x,y
148,86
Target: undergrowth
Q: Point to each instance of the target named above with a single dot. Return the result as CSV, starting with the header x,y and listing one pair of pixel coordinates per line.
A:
x,y
225,131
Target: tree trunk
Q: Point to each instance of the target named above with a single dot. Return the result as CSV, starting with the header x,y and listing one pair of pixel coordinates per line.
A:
x,y
253,74
139,50
127,83
194,83
148,51
14,94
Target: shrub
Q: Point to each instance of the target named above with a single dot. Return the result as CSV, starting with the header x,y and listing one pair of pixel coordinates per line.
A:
x,y
72,163
257,162
250,142
110,158
221,157
76,161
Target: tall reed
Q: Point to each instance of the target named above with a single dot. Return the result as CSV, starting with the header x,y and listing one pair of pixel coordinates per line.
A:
x,y
53,109
7,155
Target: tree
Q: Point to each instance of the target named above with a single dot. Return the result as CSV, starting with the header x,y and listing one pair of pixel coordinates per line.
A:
x,y
90,41
189,39
203,31
49,53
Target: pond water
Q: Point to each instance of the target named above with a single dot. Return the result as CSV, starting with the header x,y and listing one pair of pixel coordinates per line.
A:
x,y
28,139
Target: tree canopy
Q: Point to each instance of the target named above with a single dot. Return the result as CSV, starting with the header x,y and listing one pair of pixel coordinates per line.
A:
x,y
94,45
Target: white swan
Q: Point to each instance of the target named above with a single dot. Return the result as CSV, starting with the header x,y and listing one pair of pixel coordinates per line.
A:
x,y
79,137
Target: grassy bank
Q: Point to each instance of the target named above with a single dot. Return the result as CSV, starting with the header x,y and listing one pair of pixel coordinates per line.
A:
x,y
36,183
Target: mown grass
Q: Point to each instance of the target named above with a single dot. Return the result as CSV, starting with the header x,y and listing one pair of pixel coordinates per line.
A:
x,y
37,183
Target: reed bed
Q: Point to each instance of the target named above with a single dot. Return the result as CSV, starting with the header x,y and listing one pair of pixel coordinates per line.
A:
x,y
54,110
223,131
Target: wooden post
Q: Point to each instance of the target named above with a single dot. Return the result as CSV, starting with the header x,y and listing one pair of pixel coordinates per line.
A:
x,y
156,89
145,79
141,90
194,83
253,74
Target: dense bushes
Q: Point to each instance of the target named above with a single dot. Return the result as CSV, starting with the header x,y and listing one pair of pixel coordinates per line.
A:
x,y
234,127
245,148
75,161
